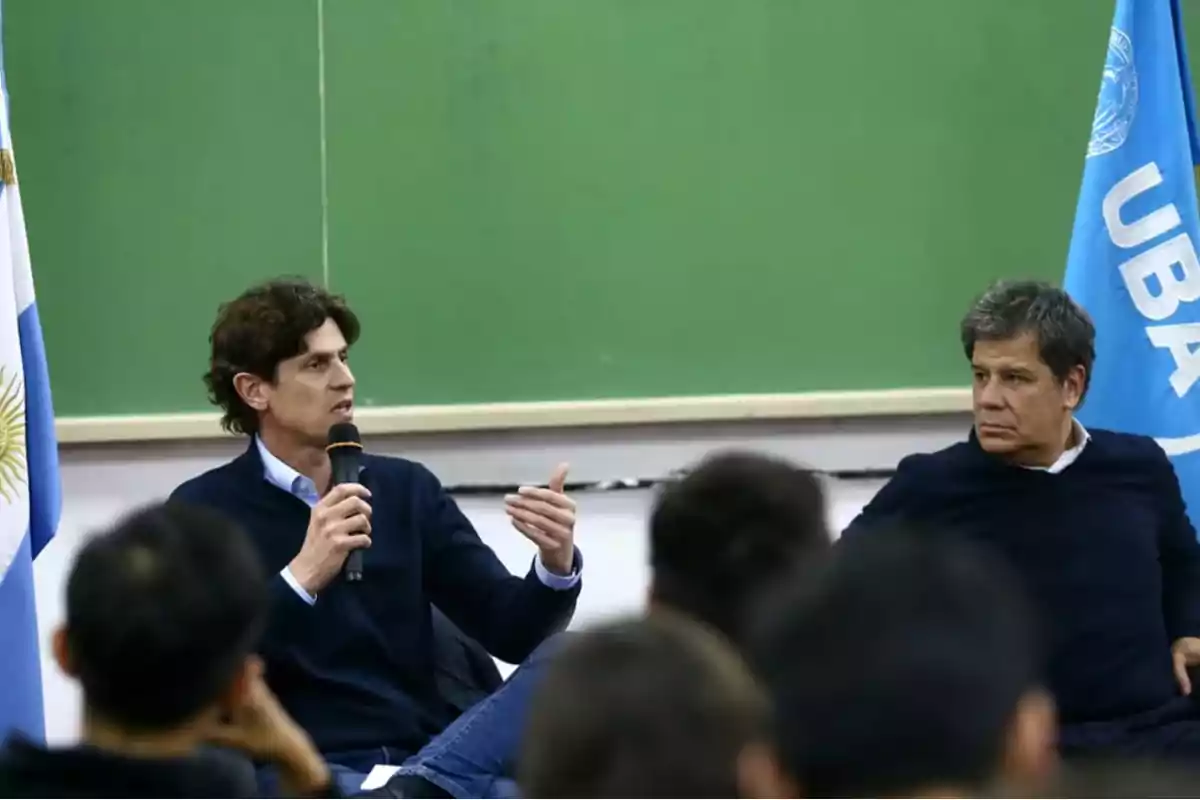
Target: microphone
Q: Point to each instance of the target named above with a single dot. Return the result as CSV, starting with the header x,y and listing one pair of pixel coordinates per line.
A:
x,y
345,458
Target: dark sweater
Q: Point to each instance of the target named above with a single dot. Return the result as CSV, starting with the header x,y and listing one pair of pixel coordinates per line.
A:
x,y
27,770
356,669
1105,548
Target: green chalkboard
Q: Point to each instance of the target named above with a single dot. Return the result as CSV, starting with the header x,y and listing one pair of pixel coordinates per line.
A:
x,y
548,199
168,155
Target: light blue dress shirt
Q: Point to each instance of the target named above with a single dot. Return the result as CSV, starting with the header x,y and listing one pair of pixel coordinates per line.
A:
x,y
301,486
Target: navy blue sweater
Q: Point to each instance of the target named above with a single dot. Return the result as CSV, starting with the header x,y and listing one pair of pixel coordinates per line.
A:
x,y
1105,548
356,668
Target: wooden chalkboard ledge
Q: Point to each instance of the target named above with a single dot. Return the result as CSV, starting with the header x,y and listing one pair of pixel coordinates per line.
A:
x,y
551,414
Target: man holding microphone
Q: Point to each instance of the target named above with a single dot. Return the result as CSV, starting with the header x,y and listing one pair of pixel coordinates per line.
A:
x,y
353,661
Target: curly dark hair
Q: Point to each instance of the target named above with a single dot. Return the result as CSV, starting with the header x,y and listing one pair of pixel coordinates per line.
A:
x,y
262,327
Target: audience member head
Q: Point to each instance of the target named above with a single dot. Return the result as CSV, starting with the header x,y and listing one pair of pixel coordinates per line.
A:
x,y
726,531
1031,350
163,614
278,361
654,707
903,666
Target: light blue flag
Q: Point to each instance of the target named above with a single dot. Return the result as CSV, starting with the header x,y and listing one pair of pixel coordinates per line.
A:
x,y
29,487
1133,262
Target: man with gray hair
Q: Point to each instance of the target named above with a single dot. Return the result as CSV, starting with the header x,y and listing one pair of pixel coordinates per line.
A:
x,y
1093,521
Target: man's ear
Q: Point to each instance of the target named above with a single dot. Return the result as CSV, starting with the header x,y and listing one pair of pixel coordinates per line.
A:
x,y
759,774
238,690
254,391
1030,756
1073,387
61,646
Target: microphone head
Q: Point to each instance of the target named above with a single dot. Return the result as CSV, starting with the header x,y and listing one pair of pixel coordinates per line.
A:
x,y
343,434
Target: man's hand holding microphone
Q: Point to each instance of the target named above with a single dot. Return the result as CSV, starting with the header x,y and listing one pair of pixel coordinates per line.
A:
x,y
339,528
338,525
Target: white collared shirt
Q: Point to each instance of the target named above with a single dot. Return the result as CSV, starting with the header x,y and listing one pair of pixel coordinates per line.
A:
x,y
278,473
1082,437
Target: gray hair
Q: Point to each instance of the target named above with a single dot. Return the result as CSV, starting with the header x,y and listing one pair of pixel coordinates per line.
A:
x,y
1064,332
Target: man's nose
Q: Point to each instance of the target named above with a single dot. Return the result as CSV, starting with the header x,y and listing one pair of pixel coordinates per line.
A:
x,y
991,395
343,378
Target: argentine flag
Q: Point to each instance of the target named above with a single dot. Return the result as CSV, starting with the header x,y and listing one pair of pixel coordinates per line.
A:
x,y
1133,262
29,489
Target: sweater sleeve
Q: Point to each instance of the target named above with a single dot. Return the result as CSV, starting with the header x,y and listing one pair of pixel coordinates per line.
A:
x,y
289,611
509,616
901,499
1179,553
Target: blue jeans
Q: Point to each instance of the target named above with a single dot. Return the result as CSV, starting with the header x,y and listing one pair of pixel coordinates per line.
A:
x,y
348,769
476,755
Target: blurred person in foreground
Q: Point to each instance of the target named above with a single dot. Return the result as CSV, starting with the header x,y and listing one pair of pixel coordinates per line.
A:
x,y
651,707
905,666
643,723
1092,521
163,613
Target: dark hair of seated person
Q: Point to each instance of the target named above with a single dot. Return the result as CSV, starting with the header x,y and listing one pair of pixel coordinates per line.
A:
x,y
724,533
162,611
905,665
652,707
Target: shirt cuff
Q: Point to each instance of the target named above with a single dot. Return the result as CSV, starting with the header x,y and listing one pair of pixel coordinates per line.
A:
x,y
290,579
559,583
